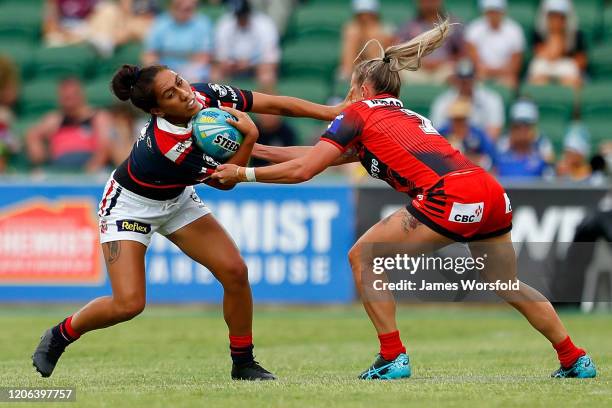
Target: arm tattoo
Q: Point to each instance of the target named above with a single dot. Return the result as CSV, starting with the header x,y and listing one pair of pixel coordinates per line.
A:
x,y
114,250
409,223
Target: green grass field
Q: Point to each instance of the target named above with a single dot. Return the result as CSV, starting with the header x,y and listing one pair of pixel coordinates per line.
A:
x,y
174,357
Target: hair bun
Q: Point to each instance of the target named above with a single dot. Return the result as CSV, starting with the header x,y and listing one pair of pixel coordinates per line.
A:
x,y
124,80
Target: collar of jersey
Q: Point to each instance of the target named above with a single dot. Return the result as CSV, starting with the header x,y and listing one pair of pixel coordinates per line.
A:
x,y
174,130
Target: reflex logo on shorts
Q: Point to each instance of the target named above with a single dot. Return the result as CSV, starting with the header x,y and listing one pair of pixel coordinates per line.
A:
x,y
133,226
466,213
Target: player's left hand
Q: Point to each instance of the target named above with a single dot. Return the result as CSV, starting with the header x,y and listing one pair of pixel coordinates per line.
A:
x,y
244,123
228,174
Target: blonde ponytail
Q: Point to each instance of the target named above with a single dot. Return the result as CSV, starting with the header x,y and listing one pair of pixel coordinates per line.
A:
x,y
382,72
408,55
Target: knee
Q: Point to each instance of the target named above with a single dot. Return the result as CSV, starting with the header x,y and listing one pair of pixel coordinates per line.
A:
x,y
235,274
354,257
126,309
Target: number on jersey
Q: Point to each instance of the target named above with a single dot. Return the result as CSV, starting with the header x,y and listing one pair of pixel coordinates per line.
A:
x,y
426,126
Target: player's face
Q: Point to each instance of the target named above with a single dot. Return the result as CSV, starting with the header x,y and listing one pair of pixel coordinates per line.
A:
x,y
175,99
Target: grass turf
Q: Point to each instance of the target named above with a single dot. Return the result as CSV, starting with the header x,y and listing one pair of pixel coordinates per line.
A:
x,y
174,357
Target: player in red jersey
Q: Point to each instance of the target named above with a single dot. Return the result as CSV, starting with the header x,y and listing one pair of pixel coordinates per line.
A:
x,y
152,192
451,199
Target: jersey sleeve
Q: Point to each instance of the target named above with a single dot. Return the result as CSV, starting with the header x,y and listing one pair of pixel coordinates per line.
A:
x,y
345,130
226,95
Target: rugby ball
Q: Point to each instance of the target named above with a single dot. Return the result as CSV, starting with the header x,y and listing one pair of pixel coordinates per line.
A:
x,y
214,135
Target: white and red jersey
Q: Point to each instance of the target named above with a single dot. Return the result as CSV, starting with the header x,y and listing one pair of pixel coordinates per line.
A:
x,y
165,159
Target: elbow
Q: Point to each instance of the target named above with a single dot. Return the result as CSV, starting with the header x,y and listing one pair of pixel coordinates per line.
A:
x,y
303,174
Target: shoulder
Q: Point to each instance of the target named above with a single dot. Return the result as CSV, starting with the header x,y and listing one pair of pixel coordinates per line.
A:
x,y
512,27
162,21
225,22
476,26
201,20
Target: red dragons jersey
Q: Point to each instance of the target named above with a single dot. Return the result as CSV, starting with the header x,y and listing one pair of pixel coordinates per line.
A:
x,y
395,144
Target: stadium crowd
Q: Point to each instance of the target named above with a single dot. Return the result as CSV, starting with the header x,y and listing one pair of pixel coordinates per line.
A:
x,y
522,87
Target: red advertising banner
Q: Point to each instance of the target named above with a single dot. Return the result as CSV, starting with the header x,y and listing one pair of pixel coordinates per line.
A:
x,y
49,242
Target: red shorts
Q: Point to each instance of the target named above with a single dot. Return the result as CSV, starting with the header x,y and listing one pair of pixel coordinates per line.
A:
x,y
465,205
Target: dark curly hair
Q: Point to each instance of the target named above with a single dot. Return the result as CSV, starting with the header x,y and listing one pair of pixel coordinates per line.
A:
x,y
133,83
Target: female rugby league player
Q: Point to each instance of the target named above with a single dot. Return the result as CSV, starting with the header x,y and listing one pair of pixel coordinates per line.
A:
x,y
451,199
152,191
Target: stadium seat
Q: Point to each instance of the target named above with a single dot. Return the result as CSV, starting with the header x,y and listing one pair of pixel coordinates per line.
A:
x,y
419,98
607,28
554,100
590,18
397,12
506,93
322,15
20,20
600,61
99,94
596,94
21,52
464,10
554,129
310,58
525,14
126,54
599,128
58,62
312,89
38,97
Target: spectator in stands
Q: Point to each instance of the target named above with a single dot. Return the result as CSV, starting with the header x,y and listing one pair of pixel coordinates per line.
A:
x,y
524,153
487,110
280,11
126,123
9,91
574,164
247,44
75,138
496,44
181,39
366,24
104,24
472,141
118,22
66,21
437,67
560,49
273,131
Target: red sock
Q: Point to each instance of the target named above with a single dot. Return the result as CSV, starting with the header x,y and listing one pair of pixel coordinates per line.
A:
x,y
67,326
391,345
240,342
568,353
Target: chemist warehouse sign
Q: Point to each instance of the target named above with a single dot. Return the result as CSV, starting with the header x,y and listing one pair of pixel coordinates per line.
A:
x,y
293,239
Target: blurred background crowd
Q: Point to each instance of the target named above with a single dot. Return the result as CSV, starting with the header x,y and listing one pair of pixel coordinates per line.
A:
x,y
523,87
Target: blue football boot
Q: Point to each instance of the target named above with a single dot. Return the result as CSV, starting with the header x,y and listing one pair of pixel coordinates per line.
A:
x,y
582,368
388,370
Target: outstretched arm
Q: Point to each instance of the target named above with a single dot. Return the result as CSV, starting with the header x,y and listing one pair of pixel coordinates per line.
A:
x,y
298,170
277,154
290,106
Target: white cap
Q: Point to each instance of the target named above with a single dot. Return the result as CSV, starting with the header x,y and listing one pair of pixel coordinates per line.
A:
x,y
577,140
524,111
557,6
493,5
366,6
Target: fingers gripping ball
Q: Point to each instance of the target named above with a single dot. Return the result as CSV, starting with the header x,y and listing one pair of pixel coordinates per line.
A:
x,y
214,135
